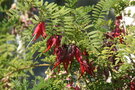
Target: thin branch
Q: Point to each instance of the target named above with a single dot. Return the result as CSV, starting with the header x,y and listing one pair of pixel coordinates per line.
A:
x,y
31,41
20,69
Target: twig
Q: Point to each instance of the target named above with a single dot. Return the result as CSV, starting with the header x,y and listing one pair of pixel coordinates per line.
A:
x,y
32,66
31,41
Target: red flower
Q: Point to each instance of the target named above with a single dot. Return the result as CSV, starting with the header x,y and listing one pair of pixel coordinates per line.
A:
x,y
76,88
78,55
119,17
40,30
53,41
117,32
84,66
132,85
65,55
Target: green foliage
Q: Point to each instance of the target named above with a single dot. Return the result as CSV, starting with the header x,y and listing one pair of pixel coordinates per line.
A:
x,y
50,84
77,27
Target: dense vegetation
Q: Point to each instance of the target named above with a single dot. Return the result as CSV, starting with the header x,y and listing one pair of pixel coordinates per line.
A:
x,y
81,48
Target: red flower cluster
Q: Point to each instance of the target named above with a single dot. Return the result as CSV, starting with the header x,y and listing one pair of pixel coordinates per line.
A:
x,y
40,30
132,85
65,54
117,32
